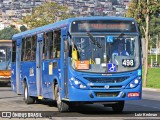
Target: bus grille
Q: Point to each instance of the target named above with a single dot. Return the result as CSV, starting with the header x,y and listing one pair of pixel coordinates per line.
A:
x,y
106,94
106,80
103,87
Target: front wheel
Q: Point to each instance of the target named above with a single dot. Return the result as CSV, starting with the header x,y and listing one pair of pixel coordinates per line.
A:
x,y
28,99
118,107
62,105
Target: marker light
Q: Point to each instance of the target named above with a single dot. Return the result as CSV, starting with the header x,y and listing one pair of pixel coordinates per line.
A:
x,y
133,94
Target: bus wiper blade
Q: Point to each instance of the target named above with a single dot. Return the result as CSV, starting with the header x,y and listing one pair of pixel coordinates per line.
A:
x,y
121,34
95,42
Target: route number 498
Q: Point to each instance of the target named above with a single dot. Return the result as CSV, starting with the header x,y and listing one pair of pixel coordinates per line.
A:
x,y
128,62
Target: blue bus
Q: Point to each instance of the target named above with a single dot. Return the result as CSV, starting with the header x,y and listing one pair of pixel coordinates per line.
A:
x,y
79,60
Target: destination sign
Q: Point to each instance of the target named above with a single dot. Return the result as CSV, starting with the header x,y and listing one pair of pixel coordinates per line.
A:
x,y
103,26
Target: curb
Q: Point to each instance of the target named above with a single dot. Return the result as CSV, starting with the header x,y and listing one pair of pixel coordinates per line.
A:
x,y
151,89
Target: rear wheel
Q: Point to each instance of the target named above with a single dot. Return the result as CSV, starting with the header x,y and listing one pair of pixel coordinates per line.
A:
x,y
118,107
28,99
62,105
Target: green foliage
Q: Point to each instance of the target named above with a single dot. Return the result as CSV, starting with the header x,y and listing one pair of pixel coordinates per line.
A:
x,y
47,13
7,33
23,28
154,26
138,10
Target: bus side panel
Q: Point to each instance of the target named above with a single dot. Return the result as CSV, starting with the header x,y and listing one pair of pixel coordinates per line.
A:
x,y
13,76
28,70
46,80
50,72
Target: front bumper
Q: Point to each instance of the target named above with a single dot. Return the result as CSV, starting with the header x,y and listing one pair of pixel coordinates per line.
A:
x,y
91,95
5,80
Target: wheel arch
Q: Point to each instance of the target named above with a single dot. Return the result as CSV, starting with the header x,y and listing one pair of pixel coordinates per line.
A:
x,y
54,83
25,81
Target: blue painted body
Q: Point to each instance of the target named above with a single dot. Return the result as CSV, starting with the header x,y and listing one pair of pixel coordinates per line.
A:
x,y
63,70
13,76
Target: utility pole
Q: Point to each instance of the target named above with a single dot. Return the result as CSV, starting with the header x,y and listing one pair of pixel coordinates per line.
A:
x,y
157,49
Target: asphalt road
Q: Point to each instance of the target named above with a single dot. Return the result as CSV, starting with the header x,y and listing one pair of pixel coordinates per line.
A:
x,y
148,107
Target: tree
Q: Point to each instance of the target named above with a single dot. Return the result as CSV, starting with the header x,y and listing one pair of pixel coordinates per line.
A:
x,y
47,13
7,33
143,11
23,28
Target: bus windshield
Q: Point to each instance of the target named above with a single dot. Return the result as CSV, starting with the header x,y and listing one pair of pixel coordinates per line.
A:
x,y
5,59
105,54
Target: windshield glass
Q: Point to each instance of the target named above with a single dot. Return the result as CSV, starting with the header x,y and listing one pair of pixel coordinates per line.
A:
x,y
105,54
5,58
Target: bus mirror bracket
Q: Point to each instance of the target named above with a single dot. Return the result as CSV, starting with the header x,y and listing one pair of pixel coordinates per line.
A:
x,y
68,34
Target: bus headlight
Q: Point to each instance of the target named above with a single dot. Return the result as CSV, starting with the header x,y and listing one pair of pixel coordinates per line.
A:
x,y
78,84
134,83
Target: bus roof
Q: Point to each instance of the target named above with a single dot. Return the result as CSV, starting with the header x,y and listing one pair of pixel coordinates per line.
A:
x,y
65,23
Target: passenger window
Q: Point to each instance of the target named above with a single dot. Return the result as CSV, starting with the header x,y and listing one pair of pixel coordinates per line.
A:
x,y
23,49
50,45
45,46
57,43
28,49
33,46
13,51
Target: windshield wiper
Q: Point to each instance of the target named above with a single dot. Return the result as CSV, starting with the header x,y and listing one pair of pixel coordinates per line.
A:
x,y
121,34
95,42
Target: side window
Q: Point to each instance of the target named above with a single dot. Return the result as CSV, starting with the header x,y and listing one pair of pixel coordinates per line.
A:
x,y
13,51
28,49
57,43
33,48
45,46
48,45
23,49
52,44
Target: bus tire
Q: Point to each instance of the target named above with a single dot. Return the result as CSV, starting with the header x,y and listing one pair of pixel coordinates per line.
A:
x,y
62,105
28,99
118,107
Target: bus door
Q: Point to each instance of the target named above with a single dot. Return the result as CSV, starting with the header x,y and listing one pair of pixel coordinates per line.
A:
x,y
39,65
49,64
65,62
13,66
18,71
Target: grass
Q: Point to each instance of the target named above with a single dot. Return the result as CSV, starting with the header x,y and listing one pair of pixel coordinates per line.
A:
x,y
153,78
153,58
